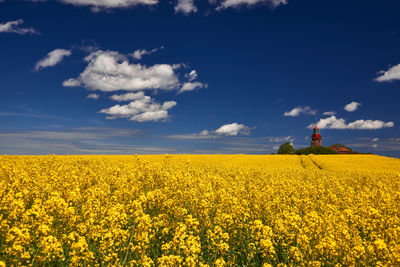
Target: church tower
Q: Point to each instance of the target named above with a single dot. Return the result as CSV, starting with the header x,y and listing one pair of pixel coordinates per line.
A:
x,y
316,139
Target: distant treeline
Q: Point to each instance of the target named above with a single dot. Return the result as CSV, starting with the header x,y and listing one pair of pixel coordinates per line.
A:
x,y
287,148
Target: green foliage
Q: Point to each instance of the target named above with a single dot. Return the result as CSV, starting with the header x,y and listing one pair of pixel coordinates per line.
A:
x,y
315,150
286,148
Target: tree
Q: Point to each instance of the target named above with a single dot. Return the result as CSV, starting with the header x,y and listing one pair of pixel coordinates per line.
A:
x,y
286,148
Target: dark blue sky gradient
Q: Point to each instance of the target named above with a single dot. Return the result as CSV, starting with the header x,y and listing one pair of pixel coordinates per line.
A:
x,y
258,63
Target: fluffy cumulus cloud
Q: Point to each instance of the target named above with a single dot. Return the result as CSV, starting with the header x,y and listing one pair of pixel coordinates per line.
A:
x,y
223,4
140,110
111,71
128,96
190,86
233,129
339,123
53,58
185,7
391,74
93,96
15,27
138,54
353,106
300,110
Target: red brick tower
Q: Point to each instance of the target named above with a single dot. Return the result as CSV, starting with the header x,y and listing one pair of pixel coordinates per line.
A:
x,y
316,139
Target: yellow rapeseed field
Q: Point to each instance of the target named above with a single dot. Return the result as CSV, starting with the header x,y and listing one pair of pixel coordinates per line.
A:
x,y
196,210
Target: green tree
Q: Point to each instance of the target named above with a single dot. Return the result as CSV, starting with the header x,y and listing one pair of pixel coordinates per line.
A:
x,y
286,148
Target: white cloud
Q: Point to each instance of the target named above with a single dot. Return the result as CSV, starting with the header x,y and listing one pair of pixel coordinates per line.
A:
x,y
150,116
138,54
128,96
223,4
190,86
71,83
353,106
93,96
300,110
233,129
14,27
53,58
204,133
329,113
185,6
338,123
375,145
191,76
282,139
391,74
111,71
141,110
375,139
98,5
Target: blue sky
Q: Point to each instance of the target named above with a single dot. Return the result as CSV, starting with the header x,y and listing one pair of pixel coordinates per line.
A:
x,y
222,76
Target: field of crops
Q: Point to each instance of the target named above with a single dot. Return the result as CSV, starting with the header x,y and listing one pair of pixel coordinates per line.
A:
x,y
196,210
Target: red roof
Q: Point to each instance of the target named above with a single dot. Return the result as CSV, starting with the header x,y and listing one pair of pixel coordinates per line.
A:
x,y
316,127
340,149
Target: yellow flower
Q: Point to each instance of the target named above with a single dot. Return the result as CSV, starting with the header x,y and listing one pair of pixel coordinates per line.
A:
x,y
200,210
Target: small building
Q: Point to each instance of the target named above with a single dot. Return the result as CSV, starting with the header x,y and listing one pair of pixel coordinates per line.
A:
x,y
316,139
341,149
